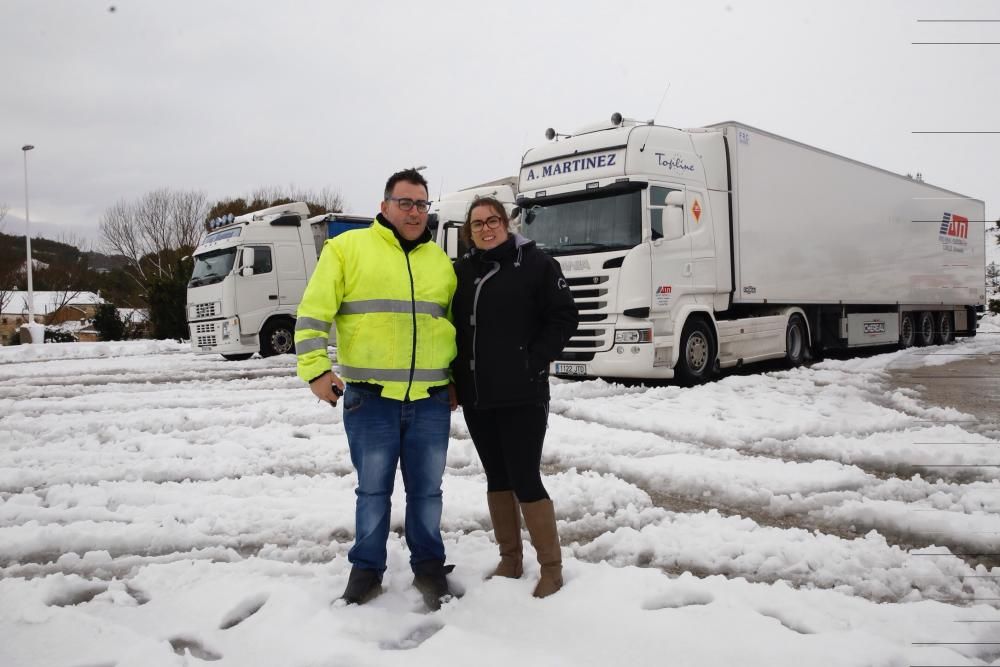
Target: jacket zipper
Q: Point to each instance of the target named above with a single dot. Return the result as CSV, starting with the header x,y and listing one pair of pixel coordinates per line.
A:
x,y
475,324
413,314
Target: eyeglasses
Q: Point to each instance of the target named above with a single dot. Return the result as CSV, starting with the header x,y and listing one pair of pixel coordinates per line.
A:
x,y
492,222
405,203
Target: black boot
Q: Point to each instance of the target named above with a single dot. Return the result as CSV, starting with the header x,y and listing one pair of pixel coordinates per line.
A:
x,y
362,586
429,578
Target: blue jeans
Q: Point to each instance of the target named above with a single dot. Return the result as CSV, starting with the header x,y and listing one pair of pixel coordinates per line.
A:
x,y
380,433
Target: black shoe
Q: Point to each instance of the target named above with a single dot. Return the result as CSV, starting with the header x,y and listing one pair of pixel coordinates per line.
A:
x,y
362,586
429,578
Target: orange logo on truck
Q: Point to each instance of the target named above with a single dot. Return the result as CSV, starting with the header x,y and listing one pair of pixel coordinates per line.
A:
x,y
696,209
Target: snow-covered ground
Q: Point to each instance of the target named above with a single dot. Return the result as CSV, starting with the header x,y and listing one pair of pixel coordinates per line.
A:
x,y
163,508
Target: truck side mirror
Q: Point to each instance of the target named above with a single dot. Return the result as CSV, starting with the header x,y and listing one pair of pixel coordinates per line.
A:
x,y
246,269
673,222
529,217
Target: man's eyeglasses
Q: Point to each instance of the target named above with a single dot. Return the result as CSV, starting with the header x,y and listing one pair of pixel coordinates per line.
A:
x,y
492,222
405,203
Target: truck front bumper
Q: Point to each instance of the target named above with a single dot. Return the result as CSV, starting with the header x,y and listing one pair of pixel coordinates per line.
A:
x,y
219,337
623,360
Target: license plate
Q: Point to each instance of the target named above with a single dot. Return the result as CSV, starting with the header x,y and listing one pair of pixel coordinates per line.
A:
x,y
206,348
571,369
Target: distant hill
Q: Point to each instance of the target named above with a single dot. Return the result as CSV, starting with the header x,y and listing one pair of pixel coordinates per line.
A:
x,y
12,249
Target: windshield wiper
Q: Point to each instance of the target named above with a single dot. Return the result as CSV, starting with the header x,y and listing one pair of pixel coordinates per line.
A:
x,y
205,280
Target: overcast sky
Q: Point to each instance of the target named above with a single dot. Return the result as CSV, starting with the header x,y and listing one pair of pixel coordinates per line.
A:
x,y
227,96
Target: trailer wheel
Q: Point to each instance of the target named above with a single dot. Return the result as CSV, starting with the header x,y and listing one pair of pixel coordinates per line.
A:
x,y
697,354
277,337
237,357
945,329
925,329
796,341
907,331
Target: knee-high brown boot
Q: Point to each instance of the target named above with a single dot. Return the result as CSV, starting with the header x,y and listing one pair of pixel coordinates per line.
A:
x,y
506,517
540,518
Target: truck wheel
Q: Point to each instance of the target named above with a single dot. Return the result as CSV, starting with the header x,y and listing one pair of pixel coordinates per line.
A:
x,y
277,337
945,329
796,341
237,357
907,331
697,354
925,329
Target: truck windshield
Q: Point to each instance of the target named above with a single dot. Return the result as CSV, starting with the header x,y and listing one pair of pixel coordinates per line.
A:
x,y
588,224
212,267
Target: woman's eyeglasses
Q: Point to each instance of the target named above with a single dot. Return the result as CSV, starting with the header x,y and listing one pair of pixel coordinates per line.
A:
x,y
492,222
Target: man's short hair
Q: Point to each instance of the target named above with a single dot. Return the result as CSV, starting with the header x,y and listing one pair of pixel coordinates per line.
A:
x,y
410,176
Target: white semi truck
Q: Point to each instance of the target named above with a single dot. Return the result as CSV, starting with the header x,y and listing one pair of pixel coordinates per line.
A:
x,y
706,248
249,275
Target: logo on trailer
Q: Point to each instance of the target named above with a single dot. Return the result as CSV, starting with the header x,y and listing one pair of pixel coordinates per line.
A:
x,y
955,225
696,210
664,289
954,232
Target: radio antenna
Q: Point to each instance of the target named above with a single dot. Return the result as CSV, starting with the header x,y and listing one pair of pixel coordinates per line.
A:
x,y
662,100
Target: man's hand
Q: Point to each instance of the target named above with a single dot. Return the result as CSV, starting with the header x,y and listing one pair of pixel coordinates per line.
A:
x,y
327,387
452,396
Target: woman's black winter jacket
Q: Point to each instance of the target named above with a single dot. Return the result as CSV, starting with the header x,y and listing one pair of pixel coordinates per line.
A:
x,y
514,314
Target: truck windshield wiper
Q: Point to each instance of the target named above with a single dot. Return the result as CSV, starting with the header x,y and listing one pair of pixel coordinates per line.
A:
x,y
204,280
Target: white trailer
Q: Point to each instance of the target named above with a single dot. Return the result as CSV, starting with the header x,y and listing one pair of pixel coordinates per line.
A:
x,y
249,275
693,250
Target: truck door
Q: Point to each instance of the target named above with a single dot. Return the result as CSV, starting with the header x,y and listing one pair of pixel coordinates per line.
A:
x,y
256,295
672,266
291,271
698,227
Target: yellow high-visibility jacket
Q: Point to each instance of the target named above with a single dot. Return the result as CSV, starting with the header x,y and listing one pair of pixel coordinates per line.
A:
x,y
391,311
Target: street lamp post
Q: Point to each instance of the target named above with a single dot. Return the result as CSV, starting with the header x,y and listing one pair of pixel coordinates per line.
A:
x,y
27,235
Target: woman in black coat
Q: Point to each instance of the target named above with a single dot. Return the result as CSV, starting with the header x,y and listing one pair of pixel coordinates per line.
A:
x,y
514,314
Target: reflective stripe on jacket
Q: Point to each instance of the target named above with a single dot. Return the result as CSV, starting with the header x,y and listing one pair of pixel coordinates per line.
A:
x,y
391,312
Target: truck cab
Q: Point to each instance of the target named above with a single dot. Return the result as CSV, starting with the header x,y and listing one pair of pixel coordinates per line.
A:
x,y
248,278
448,214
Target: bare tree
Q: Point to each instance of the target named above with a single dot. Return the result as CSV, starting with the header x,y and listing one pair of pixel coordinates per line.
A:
x,y
187,215
3,214
328,199
145,231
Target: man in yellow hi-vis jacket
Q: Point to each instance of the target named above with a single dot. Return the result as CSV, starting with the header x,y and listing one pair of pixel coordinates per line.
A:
x,y
388,288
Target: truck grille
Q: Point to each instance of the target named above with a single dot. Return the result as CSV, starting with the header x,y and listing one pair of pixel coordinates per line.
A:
x,y
206,341
204,310
204,328
591,296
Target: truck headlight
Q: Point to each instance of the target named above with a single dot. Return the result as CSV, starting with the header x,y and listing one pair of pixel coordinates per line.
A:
x,y
634,336
230,327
